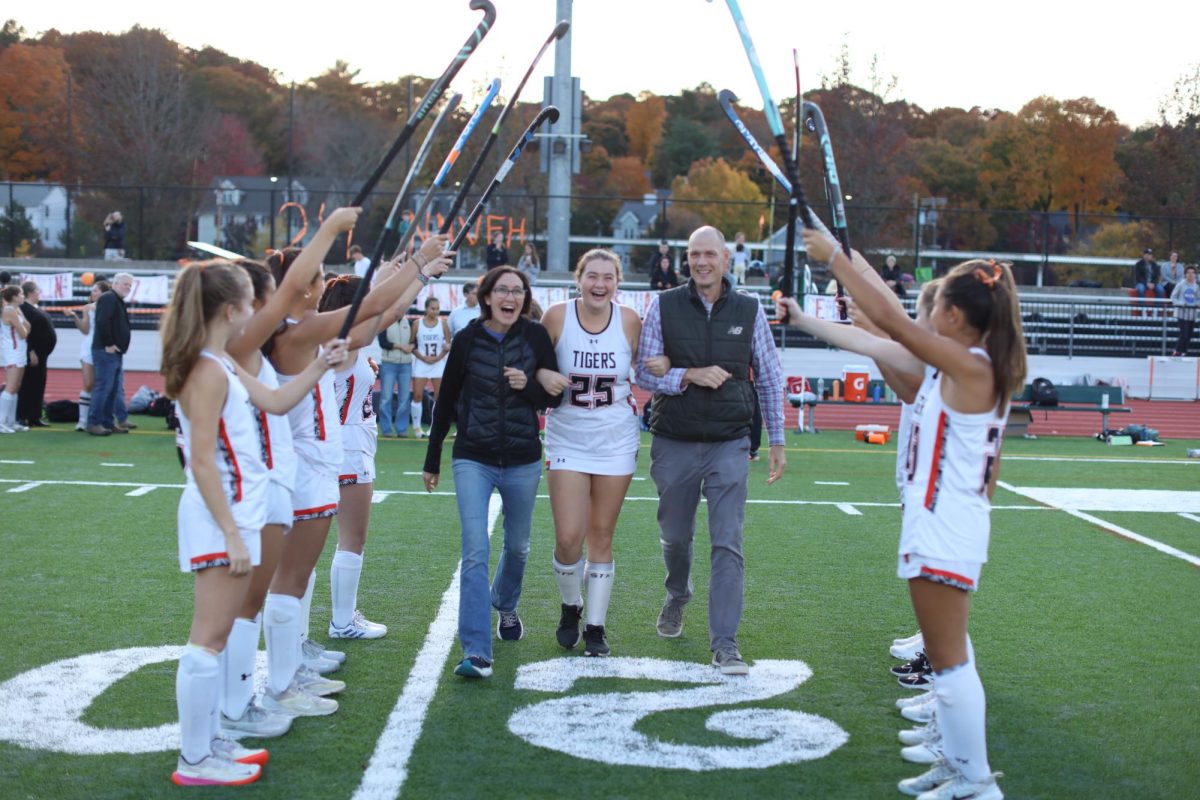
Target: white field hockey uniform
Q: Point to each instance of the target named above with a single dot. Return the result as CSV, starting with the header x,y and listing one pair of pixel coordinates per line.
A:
x,y
947,514
14,350
430,342
278,453
242,475
85,346
595,428
356,412
317,437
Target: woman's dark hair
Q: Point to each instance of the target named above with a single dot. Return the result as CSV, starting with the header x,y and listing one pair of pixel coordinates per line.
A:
x,y
280,261
339,292
489,283
11,292
260,277
105,286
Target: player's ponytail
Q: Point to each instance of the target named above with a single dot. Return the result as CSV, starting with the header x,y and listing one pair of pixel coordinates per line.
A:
x,y
201,290
987,295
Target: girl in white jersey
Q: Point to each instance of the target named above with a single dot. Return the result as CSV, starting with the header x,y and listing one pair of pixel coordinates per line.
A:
x,y
592,440
317,438
356,478
976,360
85,322
223,507
14,355
431,345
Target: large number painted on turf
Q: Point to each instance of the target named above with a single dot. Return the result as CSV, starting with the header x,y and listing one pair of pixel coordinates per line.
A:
x,y
600,727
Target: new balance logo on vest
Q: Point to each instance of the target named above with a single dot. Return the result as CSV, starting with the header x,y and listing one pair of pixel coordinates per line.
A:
x,y
735,330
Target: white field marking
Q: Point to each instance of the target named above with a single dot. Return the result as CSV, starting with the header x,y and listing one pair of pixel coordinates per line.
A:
x,y
378,497
831,483
1192,517
7,461
846,508
105,484
1160,500
601,727
388,768
1117,529
141,490
410,473
1101,460
24,487
117,464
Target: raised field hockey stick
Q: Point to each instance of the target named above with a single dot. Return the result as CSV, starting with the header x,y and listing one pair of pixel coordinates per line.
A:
x,y
815,121
727,98
365,285
799,97
559,31
451,157
548,113
431,97
392,223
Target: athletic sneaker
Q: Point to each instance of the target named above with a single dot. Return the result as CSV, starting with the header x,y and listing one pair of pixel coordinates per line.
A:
x,y
474,667
316,684
907,640
256,721
919,734
214,771
924,753
907,649
928,781
918,664
5,429
19,427
231,750
729,661
914,699
920,681
418,433
359,628
509,627
312,649
959,788
597,645
298,703
921,712
670,621
568,626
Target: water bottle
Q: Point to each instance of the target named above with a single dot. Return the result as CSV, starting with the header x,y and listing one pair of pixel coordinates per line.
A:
x,y
875,394
820,388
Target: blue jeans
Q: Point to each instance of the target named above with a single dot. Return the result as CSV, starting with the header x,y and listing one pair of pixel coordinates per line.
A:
x,y
110,379
394,377
473,483
1141,288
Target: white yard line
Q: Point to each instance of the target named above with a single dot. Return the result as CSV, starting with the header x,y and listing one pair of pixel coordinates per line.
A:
x,y
106,464
1102,460
846,508
385,774
24,487
1192,517
140,491
8,461
831,483
1125,533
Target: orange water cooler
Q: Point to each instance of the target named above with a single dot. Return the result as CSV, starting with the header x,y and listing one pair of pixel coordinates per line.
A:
x,y
855,378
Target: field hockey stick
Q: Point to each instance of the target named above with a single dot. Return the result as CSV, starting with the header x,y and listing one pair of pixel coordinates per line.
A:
x,y
559,31
799,97
548,113
727,98
431,97
815,121
392,223
451,157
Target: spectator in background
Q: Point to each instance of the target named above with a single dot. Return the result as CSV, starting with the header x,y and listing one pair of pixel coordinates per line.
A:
x,y
1146,273
42,340
739,259
395,376
110,342
663,276
1172,274
893,277
497,253
1186,298
466,312
5,278
361,262
114,237
663,251
529,264
85,321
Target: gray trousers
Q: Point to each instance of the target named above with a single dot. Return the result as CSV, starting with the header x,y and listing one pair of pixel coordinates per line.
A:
x,y
681,471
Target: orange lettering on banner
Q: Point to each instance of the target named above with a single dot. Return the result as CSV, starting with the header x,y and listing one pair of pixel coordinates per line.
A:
x,y
299,237
473,234
513,230
495,224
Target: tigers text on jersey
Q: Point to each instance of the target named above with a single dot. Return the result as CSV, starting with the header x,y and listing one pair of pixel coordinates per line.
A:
x,y
243,474
948,466
356,410
430,342
275,435
596,422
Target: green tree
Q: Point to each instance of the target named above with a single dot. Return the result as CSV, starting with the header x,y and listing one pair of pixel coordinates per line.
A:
x,y
683,143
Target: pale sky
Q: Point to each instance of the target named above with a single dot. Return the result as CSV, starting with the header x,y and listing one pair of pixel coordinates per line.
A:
x,y
1126,57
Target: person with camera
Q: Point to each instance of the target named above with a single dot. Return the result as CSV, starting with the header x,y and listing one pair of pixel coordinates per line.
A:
x,y
114,237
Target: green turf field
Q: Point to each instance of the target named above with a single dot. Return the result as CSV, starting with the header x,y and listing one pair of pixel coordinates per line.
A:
x,y
1087,642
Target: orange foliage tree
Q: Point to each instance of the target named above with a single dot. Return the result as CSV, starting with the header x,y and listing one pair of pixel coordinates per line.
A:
x,y
33,112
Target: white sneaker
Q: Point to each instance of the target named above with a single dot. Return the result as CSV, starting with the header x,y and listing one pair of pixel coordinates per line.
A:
x,y
256,721
919,734
316,684
6,429
359,628
921,712
311,649
959,788
230,750
907,640
924,753
906,650
298,703
914,699
19,427
214,771
418,433
926,782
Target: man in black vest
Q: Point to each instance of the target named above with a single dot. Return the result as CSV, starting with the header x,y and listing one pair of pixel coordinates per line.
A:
x,y
699,344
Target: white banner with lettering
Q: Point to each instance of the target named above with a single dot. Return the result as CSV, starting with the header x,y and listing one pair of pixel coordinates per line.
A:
x,y
149,289
54,287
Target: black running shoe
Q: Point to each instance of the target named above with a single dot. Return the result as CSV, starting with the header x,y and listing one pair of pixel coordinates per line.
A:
x,y
509,627
568,626
918,664
919,681
596,645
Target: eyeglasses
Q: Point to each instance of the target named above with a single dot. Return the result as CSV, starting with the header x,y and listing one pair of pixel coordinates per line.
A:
x,y
504,291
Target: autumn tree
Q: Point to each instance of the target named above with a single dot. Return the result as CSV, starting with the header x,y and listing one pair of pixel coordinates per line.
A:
x,y
33,113
720,196
644,125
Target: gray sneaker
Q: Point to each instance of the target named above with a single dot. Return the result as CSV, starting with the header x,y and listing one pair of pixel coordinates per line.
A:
x,y
670,621
729,661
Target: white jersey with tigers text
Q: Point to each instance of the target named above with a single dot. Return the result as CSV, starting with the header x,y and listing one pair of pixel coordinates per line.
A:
x,y
315,429
355,402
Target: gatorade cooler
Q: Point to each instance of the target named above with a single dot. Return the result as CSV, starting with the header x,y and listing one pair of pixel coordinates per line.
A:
x,y
856,378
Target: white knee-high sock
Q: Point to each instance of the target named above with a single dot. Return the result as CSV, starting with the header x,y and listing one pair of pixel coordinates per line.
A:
x,y
415,414
599,590
343,585
570,581
197,683
8,408
306,604
85,405
237,667
961,715
281,629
